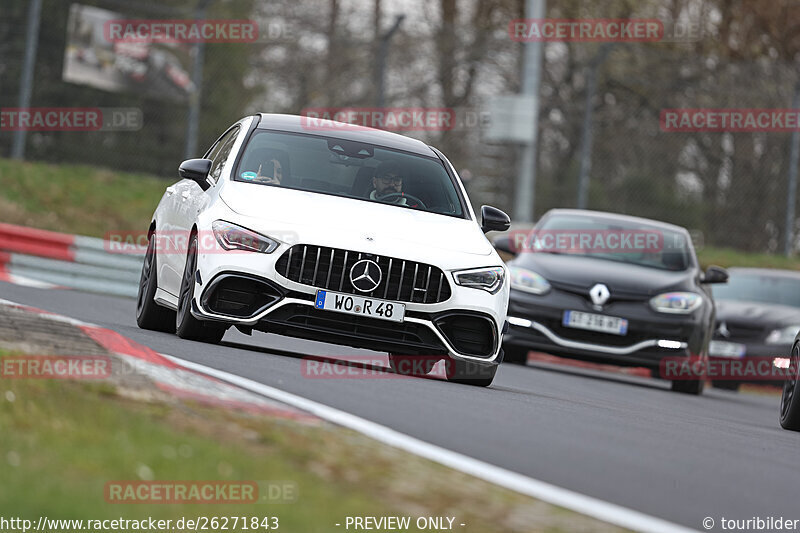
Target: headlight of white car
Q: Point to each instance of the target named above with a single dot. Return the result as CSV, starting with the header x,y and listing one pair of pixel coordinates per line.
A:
x,y
784,335
528,281
487,279
680,303
233,237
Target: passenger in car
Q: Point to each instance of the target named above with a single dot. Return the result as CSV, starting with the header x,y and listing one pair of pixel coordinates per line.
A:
x,y
270,172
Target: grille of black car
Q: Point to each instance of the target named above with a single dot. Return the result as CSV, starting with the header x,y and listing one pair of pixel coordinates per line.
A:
x,y
329,268
635,334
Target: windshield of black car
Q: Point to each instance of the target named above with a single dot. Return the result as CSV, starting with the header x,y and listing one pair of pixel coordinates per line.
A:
x,y
611,239
340,167
760,288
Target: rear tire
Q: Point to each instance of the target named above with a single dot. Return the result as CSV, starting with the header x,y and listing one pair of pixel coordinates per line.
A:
x,y
469,373
186,325
150,315
790,402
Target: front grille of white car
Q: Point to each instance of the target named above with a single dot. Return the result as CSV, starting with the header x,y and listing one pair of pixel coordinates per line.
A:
x,y
329,268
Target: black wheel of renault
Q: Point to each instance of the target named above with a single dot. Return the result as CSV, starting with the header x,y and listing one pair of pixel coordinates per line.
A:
x,y
186,325
790,398
150,315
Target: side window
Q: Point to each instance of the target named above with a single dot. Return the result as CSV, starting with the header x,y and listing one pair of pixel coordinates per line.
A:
x,y
220,153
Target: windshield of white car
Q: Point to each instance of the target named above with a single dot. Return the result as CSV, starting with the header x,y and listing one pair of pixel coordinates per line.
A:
x,y
760,288
610,239
350,169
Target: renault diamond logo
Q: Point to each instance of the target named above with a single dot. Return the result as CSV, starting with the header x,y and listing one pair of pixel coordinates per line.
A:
x,y
365,275
723,331
599,294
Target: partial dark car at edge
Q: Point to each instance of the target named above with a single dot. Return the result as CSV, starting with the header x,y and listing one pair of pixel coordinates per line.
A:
x,y
632,308
758,316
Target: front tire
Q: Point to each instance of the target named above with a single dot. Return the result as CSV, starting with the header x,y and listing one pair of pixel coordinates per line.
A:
x,y
150,315
790,402
186,325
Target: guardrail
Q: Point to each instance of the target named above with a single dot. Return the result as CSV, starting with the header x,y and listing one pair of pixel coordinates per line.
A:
x,y
72,261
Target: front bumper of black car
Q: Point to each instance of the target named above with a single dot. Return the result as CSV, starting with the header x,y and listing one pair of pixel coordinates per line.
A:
x,y
756,365
535,323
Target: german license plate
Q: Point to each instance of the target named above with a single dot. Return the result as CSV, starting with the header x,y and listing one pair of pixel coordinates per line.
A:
x,y
732,350
593,322
358,305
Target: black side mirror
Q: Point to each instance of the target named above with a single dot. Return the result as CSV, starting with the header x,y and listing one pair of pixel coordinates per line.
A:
x,y
196,170
715,274
492,219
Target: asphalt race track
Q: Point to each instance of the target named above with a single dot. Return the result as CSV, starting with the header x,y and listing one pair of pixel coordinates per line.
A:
x,y
622,439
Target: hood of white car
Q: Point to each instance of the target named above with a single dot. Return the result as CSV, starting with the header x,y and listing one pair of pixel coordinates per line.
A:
x,y
315,218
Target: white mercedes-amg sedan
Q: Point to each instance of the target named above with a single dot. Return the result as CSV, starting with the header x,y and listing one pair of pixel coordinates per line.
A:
x,y
333,233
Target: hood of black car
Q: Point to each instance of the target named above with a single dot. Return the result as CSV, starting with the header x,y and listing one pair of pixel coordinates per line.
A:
x,y
757,313
583,272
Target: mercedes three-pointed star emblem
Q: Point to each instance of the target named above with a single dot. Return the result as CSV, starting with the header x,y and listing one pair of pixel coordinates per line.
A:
x,y
366,275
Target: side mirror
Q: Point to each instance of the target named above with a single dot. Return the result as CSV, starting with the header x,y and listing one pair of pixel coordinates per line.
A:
x,y
196,170
714,274
505,244
492,219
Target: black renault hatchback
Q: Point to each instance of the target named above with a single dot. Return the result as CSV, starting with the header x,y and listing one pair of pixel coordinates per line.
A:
x,y
614,289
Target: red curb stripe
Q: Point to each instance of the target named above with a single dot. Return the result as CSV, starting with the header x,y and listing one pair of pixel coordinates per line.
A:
x,y
116,343
288,413
31,241
5,258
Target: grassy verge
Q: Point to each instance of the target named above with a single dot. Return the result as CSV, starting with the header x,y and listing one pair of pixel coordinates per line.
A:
x,y
728,257
63,441
76,199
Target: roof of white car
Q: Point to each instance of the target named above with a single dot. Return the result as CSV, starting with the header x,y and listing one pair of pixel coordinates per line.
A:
x,y
339,130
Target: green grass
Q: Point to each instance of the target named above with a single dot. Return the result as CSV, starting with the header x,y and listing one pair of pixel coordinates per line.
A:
x,y
61,442
728,257
77,199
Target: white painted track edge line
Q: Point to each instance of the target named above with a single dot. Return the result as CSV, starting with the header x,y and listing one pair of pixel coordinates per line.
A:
x,y
588,505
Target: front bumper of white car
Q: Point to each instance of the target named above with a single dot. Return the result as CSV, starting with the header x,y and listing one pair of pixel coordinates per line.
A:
x,y
276,293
